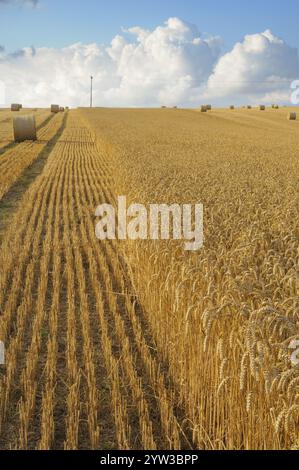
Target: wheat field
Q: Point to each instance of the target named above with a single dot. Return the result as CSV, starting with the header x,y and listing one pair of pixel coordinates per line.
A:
x,y
140,344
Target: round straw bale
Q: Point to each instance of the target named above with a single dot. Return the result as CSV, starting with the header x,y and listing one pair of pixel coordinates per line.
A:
x,y
15,107
262,107
55,108
209,107
24,128
232,107
292,116
203,109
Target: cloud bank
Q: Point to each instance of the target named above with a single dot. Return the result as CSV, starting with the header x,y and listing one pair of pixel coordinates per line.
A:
x,y
260,68
30,3
170,65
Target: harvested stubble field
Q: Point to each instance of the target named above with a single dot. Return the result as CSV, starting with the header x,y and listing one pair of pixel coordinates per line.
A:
x,y
42,116
140,344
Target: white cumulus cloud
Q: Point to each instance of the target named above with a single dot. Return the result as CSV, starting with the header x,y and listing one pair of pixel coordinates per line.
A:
x,y
30,3
172,64
139,68
260,68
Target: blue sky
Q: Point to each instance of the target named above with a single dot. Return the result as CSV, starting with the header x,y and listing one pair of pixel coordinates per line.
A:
x,y
59,23
176,52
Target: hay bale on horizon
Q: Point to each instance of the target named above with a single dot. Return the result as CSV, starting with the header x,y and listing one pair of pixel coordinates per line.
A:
x,y
209,107
24,128
61,109
15,107
232,107
262,107
249,107
203,109
55,108
292,116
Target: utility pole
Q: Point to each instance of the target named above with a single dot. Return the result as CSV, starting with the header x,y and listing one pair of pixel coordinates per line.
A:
x,y
91,79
